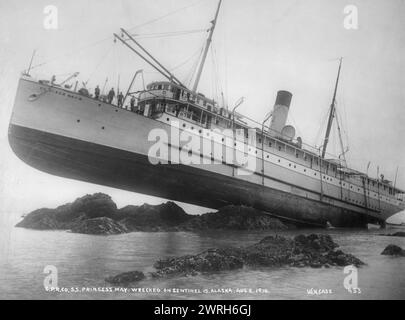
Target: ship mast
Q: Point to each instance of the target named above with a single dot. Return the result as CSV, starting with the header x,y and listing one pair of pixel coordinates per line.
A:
x,y
331,113
207,46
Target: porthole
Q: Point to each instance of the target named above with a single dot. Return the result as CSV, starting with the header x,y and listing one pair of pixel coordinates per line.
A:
x,y
167,119
184,125
102,128
78,120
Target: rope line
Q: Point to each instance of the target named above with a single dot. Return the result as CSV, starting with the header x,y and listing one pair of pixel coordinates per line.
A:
x,y
167,34
164,16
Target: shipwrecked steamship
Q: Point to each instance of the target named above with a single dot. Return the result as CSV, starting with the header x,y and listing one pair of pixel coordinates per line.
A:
x,y
71,134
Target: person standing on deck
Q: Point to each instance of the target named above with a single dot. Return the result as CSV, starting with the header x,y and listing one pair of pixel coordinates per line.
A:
x,y
120,99
111,95
97,92
133,104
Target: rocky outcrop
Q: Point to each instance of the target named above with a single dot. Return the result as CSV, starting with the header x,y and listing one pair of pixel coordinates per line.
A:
x,y
393,250
69,215
315,251
98,214
234,218
99,226
146,217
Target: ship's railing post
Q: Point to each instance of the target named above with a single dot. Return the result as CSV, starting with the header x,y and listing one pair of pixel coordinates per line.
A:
x,y
320,174
263,123
237,104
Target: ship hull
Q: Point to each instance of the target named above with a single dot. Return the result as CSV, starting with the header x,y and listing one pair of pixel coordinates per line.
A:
x,y
69,135
81,160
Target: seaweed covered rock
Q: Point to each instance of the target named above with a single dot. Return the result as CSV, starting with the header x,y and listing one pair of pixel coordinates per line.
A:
x,y
68,215
99,226
94,206
147,217
78,216
233,217
212,260
41,219
126,278
393,250
315,251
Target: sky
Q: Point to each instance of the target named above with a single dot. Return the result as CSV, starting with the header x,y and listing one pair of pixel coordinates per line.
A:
x,y
259,47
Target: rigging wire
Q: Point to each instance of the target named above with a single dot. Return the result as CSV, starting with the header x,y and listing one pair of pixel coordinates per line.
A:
x,y
193,69
100,62
218,74
323,121
165,15
342,129
290,115
186,61
181,64
110,37
71,52
167,34
215,77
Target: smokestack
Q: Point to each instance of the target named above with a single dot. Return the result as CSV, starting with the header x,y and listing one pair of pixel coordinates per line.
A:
x,y
280,112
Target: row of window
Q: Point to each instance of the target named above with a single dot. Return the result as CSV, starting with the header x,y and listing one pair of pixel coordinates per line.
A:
x,y
327,167
325,177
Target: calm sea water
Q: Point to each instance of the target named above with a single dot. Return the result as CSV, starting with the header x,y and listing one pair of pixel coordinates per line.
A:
x,y
83,261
